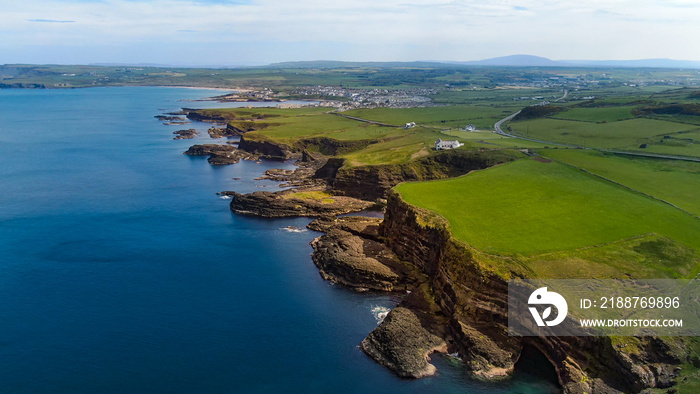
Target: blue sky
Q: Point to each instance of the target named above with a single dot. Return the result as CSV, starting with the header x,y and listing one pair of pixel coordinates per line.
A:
x,y
249,32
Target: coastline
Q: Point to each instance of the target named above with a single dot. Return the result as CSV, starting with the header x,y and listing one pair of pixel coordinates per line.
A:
x,y
452,302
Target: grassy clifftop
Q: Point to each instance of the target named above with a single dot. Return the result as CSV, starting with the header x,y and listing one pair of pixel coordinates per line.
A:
x,y
364,143
562,222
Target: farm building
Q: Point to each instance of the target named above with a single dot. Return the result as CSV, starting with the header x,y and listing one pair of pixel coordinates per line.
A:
x,y
442,145
410,125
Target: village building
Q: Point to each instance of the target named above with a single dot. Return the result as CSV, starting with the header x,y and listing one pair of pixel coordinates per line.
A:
x,y
443,145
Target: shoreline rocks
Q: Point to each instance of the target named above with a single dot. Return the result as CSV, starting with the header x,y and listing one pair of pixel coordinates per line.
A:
x,y
350,253
309,202
185,134
220,154
403,345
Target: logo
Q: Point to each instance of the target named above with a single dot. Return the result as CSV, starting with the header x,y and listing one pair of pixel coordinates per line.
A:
x,y
543,297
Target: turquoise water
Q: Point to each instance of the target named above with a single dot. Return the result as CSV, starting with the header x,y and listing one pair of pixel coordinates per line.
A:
x,y
122,271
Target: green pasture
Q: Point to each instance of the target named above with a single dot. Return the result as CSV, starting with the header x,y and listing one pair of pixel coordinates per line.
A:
x,y
496,96
289,125
489,139
675,181
528,207
399,148
453,116
597,114
625,134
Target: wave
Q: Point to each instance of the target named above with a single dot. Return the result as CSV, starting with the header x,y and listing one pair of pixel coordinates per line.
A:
x,y
380,312
293,229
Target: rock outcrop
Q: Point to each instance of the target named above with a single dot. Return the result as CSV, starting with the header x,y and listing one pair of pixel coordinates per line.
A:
x,y
312,202
220,132
185,134
268,149
403,345
351,254
220,154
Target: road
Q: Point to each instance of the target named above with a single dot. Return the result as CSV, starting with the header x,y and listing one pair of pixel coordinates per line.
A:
x,y
566,94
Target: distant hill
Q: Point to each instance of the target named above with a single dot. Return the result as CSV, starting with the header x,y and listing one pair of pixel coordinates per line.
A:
x,y
503,61
517,60
537,61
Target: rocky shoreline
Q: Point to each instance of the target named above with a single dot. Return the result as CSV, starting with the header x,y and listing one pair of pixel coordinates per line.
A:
x,y
454,301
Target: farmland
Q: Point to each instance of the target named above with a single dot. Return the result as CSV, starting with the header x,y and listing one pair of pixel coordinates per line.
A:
x,y
529,208
657,122
674,181
625,134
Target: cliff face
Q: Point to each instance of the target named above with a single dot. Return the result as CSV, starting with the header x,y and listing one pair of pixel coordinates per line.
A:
x,y
472,293
333,147
371,182
267,149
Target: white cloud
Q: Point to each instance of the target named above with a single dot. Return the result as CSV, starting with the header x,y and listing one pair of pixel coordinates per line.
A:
x,y
409,29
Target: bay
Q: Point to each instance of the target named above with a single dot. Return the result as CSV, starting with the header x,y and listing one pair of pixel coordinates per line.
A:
x,y
121,270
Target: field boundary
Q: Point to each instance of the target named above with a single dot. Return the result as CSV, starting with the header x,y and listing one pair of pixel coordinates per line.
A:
x,y
364,120
498,130
623,185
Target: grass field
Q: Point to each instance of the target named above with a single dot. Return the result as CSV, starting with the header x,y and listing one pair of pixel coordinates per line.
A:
x,y
528,207
489,139
675,181
289,125
453,116
626,134
598,114
498,96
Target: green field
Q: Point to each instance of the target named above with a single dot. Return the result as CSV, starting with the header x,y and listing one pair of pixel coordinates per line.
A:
x,y
626,134
289,125
382,145
443,117
597,114
675,181
528,207
489,140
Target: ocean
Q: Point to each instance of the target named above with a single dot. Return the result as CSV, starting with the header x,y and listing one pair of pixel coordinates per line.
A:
x,y
123,271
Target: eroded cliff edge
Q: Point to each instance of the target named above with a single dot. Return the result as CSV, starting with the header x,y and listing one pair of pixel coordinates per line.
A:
x,y
457,295
470,289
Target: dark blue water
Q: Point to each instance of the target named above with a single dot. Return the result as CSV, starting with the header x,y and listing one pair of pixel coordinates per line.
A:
x,y
122,271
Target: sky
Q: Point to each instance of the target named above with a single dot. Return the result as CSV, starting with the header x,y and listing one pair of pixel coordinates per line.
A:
x,y
256,32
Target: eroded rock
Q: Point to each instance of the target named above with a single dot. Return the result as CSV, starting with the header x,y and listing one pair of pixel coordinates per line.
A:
x,y
402,344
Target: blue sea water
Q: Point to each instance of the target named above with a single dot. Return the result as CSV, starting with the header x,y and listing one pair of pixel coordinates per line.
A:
x,y
122,271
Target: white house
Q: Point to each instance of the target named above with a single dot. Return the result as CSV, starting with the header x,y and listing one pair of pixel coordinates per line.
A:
x,y
470,127
409,125
442,145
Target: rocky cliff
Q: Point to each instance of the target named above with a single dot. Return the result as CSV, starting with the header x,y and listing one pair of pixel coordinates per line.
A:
x,y
470,289
311,202
268,149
